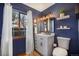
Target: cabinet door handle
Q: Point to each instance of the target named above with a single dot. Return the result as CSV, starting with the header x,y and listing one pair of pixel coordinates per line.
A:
x,y
41,38
35,40
41,44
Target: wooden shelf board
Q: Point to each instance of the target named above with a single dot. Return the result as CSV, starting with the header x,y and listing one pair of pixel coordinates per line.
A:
x,y
64,17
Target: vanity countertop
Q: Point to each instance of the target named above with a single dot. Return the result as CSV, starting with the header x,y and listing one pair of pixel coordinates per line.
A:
x,y
46,34
19,37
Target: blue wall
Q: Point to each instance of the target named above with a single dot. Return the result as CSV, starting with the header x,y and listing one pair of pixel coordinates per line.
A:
x,y
72,22
1,19
77,17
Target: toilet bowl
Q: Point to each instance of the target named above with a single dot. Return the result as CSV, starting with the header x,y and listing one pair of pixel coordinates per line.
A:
x,y
59,52
63,46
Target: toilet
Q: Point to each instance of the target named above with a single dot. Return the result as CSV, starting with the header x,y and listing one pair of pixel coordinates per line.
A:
x,y
63,46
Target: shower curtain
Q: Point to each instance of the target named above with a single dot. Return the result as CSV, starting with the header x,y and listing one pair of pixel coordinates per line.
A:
x,y
29,33
6,41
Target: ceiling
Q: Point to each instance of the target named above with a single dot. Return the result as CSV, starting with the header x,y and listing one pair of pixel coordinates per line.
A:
x,y
39,6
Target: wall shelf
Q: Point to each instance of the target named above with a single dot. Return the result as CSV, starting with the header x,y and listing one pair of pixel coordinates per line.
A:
x,y
62,28
64,17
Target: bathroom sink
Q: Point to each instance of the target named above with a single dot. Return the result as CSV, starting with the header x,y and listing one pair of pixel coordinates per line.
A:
x,y
45,33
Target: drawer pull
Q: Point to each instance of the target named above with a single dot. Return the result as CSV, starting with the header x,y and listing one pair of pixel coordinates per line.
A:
x,y
41,38
41,44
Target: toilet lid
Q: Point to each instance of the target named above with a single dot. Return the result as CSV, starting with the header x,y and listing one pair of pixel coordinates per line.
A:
x,y
59,51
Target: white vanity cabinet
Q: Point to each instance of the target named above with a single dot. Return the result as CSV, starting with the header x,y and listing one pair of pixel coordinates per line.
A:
x,y
44,44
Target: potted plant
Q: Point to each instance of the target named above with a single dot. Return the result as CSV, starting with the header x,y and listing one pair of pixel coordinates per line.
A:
x,y
62,12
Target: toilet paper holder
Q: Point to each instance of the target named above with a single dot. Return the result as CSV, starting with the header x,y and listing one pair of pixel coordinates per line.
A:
x,y
54,45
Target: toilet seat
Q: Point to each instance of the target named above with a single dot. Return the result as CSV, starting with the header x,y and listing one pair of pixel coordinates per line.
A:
x,y
58,51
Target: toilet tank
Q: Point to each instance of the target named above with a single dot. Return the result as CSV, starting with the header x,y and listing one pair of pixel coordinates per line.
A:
x,y
63,42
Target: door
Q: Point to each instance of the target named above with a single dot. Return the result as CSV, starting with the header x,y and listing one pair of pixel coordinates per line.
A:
x,y
40,44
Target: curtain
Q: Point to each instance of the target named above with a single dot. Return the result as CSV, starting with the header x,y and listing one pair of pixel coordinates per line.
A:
x,y
29,33
6,41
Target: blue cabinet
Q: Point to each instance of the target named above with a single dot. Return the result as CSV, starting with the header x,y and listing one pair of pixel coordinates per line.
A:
x,y
19,46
